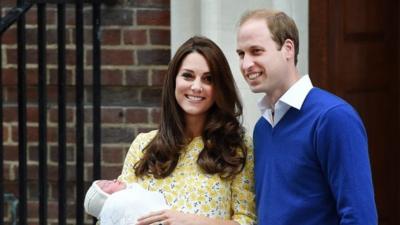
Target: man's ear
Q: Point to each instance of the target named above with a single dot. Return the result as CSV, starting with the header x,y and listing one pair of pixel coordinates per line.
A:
x,y
289,49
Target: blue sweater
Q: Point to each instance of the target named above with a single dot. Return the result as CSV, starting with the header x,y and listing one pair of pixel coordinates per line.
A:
x,y
313,168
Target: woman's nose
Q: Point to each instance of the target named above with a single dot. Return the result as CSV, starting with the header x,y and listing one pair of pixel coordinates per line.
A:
x,y
196,86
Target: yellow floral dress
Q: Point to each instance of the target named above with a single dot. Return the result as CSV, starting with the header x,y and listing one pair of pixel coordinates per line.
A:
x,y
188,189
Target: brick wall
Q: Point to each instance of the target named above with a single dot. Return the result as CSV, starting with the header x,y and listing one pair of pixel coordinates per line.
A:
x,y
135,53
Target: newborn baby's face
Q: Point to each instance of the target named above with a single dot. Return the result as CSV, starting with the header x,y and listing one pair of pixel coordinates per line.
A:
x,y
110,186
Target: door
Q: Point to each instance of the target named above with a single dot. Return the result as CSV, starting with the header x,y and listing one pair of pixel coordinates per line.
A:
x,y
354,53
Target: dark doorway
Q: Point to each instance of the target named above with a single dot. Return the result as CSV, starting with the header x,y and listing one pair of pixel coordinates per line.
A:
x,y
354,53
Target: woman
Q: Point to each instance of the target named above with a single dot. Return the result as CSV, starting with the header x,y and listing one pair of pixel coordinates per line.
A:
x,y
199,158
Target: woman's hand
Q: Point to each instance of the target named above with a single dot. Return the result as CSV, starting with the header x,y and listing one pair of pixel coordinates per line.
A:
x,y
169,217
172,217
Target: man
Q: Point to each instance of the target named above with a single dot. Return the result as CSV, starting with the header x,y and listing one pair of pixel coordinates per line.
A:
x,y
311,153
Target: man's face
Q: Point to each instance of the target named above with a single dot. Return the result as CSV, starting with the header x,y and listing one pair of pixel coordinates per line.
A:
x,y
263,66
110,186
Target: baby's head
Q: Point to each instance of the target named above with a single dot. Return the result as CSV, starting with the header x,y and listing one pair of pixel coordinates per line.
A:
x,y
98,193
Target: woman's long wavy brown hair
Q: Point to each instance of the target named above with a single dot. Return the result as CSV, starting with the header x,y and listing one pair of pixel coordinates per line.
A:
x,y
224,150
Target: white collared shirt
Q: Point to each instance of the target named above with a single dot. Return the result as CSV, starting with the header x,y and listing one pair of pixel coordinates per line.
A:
x,y
293,97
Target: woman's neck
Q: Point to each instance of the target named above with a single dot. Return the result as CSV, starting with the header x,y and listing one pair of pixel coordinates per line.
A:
x,y
194,126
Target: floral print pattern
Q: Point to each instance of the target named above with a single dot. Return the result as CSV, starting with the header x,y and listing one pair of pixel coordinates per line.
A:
x,y
188,189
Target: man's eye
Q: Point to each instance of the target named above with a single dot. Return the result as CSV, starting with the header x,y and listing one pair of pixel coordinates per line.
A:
x,y
257,51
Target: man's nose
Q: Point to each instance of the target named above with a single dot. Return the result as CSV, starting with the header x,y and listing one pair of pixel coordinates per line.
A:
x,y
247,62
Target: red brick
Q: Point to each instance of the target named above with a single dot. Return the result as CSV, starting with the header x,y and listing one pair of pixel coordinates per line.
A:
x,y
112,115
31,16
115,134
155,115
6,134
146,129
137,77
10,76
88,154
52,94
32,133
9,36
70,153
52,35
7,173
10,114
11,186
114,57
137,115
108,115
69,73
70,190
151,96
70,16
87,36
10,152
10,173
32,194
111,77
33,152
110,172
32,114
8,3
33,209
111,36
135,37
153,17
151,3
113,155
31,36
32,76
12,94
52,210
32,56
157,77
153,56
52,134
119,96
116,16
160,37
33,174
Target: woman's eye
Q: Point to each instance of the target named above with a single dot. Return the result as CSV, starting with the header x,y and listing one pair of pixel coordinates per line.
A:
x,y
208,79
186,75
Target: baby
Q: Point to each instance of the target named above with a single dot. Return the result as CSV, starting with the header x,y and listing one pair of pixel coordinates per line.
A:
x,y
116,203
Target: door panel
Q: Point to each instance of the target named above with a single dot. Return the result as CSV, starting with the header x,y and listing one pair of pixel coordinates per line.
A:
x,y
354,53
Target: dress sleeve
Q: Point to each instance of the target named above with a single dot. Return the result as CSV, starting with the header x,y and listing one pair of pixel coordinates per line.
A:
x,y
243,198
133,155
342,148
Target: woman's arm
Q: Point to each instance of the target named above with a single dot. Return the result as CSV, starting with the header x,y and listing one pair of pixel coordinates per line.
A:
x,y
243,196
172,217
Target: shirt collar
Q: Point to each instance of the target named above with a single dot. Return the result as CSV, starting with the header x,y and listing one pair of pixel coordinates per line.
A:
x,y
297,93
293,97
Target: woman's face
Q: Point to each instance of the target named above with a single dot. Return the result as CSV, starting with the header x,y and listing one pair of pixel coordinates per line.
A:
x,y
194,89
110,186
